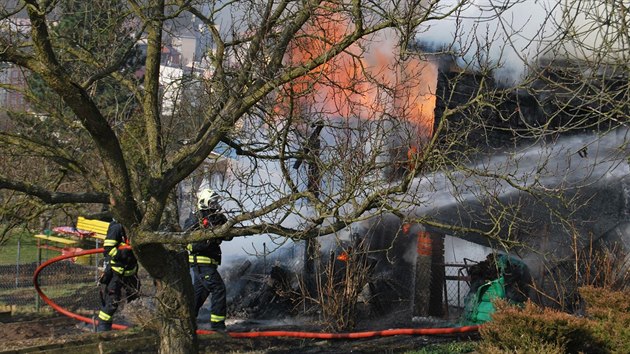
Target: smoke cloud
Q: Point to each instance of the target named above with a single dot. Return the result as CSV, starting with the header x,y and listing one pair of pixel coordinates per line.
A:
x,y
509,35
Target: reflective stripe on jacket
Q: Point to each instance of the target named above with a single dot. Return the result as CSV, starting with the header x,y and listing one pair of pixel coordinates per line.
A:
x,y
196,259
116,250
208,251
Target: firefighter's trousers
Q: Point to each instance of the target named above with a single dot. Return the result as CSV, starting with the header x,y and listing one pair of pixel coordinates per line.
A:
x,y
207,280
112,294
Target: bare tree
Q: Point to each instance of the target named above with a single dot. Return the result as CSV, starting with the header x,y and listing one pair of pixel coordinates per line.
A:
x,y
276,71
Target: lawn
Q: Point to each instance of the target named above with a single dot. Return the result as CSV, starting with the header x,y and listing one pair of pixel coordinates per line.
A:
x,y
27,249
26,243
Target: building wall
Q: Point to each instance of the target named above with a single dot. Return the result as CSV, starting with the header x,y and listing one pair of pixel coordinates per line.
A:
x,y
186,46
11,100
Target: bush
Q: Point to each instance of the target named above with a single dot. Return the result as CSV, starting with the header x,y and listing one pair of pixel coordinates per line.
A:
x,y
609,314
532,329
535,347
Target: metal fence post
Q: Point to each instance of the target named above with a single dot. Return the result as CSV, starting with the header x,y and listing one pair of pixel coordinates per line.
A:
x,y
17,265
39,262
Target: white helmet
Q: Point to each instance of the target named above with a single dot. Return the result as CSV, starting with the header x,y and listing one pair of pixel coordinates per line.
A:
x,y
207,199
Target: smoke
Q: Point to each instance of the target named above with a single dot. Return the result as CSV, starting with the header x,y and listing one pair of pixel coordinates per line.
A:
x,y
483,33
571,161
510,35
588,171
562,164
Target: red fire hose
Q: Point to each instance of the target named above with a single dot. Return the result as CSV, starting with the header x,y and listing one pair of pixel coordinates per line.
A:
x,y
351,335
256,334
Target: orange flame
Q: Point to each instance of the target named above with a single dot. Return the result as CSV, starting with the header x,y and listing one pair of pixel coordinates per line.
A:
x,y
424,246
343,257
361,82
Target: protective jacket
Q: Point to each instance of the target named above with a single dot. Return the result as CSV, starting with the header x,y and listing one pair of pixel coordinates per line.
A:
x,y
208,251
120,274
121,258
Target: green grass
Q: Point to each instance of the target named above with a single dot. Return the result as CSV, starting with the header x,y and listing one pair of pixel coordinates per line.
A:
x,y
28,249
57,290
446,348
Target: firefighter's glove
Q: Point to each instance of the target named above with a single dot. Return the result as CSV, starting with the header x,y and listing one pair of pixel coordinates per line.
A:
x,y
213,241
124,256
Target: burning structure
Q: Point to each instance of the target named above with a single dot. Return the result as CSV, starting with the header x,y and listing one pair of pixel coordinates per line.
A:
x,y
566,165
543,200
528,169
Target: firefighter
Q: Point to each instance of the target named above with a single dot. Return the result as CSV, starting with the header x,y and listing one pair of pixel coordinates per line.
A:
x,y
120,273
204,257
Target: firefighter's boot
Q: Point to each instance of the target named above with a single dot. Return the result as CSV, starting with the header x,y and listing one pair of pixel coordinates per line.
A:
x,y
104,326
218,326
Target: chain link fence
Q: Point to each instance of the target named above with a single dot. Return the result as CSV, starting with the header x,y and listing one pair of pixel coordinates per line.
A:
x,y
71,283
17,290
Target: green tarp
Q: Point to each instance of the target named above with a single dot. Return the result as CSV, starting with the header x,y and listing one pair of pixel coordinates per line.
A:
x,y
479,305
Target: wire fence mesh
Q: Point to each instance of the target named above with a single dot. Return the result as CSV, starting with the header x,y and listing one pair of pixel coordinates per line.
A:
x,y
71,283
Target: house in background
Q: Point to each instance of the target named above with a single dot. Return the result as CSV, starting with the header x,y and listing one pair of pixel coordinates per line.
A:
x,y
12,78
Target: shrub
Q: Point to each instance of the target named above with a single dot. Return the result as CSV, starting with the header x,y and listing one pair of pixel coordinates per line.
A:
x,y
514,328
532,329
609,315
534,347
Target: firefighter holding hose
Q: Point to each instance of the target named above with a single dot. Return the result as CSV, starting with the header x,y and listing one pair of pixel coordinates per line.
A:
x,y
204,257
121,268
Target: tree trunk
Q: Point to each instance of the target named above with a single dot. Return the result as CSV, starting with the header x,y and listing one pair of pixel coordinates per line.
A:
x,y
311,250
310,253
169,269
170,216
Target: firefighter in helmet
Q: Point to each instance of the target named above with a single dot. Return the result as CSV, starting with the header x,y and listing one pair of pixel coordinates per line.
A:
x,y
204,257
121,268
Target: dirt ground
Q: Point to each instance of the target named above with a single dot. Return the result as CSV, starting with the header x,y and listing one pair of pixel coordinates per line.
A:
x,y
63,334
54,333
